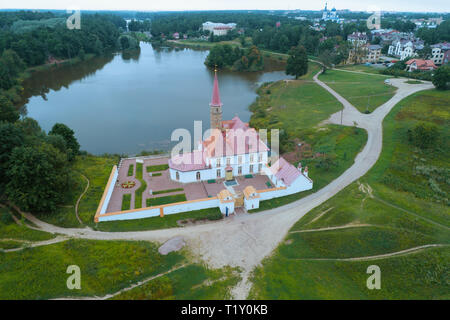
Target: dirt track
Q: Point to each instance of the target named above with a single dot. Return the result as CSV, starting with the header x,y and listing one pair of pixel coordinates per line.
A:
x,y
246,239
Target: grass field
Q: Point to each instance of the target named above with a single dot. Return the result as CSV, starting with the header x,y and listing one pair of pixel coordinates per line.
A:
x,y
10,230
365,92
193,281
361,68
298,107
126,201
403,209
106,266
169,221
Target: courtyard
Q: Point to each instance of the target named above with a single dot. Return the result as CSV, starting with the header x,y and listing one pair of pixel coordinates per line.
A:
x,y
144,182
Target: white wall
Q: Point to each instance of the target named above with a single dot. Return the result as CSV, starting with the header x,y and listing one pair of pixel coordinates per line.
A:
x,y
223,207
250,204
110,190
170,209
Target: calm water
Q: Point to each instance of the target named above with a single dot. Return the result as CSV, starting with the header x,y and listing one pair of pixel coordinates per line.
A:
x,y
129,103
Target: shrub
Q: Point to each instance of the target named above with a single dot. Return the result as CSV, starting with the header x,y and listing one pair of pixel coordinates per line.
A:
x,y
423,135
130,170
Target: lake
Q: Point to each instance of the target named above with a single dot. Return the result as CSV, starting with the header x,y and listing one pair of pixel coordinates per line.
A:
x,y
126,103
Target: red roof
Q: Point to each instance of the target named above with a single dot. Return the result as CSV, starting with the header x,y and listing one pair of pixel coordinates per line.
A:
x,y
216,95
422,64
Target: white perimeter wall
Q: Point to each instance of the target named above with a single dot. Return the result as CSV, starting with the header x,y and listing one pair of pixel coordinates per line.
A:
x,y
169,209
110,191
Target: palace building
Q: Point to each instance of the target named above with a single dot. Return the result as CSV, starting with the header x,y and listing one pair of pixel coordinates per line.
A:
x,y
234,149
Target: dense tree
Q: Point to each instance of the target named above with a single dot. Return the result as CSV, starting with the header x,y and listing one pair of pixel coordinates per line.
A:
x,y
73,147
441,78
225,56
37,177
8,112
297,63
10,137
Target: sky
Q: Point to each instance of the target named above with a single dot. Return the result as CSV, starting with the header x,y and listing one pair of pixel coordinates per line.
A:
x,y
179,5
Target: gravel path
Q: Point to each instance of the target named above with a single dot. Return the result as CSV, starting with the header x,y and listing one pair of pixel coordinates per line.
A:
x,y
380,256
81,196
244,240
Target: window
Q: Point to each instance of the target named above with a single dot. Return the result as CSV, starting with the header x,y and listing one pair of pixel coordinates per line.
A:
x,y
260,157
228,161
218,162
218,173
259,167
239,170
251,168
177,175
251,158
240,159
198,175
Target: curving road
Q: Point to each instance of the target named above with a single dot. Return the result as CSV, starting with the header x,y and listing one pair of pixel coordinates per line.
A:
x,y
244,240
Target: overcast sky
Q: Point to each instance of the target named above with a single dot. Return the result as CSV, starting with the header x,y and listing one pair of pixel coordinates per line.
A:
x,y
178,5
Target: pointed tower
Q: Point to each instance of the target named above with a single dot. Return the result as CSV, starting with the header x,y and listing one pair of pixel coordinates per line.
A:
x,y
216,105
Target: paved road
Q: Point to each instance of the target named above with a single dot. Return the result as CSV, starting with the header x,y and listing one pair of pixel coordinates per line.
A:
x,y
244,240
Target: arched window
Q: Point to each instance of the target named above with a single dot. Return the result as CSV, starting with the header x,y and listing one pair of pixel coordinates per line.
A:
x,y
177,175
198,175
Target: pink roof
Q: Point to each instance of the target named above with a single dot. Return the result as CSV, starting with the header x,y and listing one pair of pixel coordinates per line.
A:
x,y
237,138
188,161
216,95
285,171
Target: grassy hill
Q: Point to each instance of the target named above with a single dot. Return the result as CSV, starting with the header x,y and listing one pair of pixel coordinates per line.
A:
x,y
364,91
395,206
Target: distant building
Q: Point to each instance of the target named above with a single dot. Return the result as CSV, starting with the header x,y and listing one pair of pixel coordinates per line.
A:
x,y
278,24
328,15
373,53
438,51
446,57
419,64
218,29
176,35
405,48
357,38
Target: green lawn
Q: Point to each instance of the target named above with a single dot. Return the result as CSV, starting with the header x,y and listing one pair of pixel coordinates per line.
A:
x,y
158,167
106,266
343,142
97,170
166,200
126,201
361,68
168,221
9,229
190,282
403,208
167,191
365,92
141,189
131,170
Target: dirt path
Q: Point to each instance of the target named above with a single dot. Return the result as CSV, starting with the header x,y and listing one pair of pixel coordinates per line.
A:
x,y
333,228
31,244
380,256
244,240
79,199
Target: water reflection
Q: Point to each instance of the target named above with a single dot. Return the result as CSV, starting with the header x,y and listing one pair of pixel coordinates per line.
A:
x,y
130,102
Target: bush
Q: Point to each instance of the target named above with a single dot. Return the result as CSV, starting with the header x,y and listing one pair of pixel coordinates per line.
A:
x,y
423,135
441,78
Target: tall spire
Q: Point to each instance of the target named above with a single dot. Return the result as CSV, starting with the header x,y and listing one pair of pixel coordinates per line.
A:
x,y
216,95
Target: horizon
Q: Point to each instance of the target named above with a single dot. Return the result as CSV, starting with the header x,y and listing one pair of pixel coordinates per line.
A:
x,y
414,6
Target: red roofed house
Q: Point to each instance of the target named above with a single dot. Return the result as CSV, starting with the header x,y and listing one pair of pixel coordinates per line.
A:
x,y
235,149
420,64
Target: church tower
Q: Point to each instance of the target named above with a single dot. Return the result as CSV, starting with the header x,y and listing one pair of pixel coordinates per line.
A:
x,y
216,105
